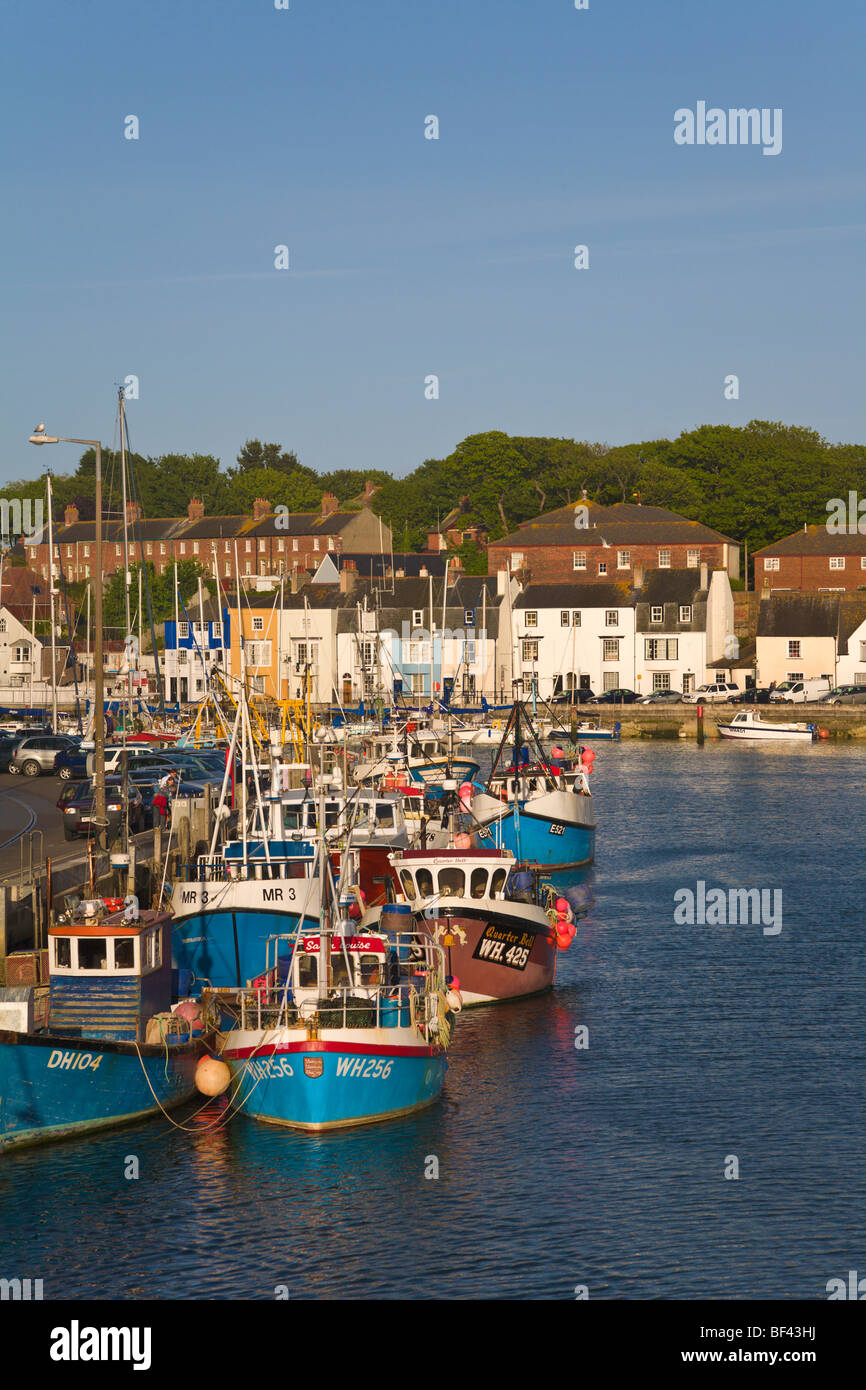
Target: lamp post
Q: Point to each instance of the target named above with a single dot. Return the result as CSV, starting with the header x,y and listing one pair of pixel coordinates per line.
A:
x,y
40,437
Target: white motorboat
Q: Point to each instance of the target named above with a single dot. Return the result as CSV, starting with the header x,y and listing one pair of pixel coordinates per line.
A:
x,y
747,725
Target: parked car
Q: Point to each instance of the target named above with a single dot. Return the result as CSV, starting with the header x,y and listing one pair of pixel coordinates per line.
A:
x,y
8,744
844,695
755,695
37,753
721,692
78,810
615,697
70,790
799,692
661,697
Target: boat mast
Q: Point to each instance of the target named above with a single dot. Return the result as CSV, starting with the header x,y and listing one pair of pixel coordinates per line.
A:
x,y
126,574
51,595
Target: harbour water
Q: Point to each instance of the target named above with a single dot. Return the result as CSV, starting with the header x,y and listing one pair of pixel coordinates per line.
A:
x,y
558,1166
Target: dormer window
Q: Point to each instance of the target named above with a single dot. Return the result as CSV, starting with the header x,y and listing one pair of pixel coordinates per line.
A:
x,y
685,612
657,614
417,617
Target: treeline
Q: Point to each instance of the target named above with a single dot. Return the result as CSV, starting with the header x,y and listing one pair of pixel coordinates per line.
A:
x,y
755,483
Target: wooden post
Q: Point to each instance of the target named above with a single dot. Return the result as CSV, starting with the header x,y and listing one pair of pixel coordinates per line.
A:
x,y
700,709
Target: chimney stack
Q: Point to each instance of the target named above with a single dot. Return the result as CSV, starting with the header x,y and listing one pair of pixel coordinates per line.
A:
x,y
133,512
195,510
501,582
261,508
638,576
329,503
369,489
705,571
348,576
70,516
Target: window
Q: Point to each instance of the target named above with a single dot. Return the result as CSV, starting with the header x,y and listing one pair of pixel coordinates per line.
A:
x,y
771,562
417,686
217,630
693,559
183,547
468,653
301,653
564,618
657,613
610,680
294,544
63,952
575,618
664,559
579,560
516,559
281,543
610,649
602,566
530,651
263,545
86,551
195,547
685,612
837,562
863,562
661,680
611,617
660,649
795,676
182,631
860,676
92,953
118,550
150,547
227,547
330,542
623,559
793,650
478,883
862,652
469,617
417,617
315,542
124,953
162,547
69,552
451,883
249,546
532,617
308,971
2,624
408,885
258,624
418,653
182,656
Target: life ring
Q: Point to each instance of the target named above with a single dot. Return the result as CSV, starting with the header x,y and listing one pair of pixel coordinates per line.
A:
x,y
497,724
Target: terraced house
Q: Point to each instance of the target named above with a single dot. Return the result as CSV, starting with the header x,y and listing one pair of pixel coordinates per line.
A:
x,y
588,543
813,559
270,542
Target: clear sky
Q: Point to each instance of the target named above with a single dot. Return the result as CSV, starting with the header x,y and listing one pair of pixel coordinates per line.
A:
x,y
409,256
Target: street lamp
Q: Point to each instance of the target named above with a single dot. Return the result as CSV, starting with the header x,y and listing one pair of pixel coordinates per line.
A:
x,y
40,437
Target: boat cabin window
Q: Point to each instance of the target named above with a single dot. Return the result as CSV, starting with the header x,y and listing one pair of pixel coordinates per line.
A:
x,y
424,879
292,818
498,884
92,953
408,884
451,883
332,814
384,813
369,971
150,950
124,953
63,952
308,971
478,883
340,977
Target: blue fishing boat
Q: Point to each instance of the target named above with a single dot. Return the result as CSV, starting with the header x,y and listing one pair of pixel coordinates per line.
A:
x,y
542,813
344,1028
112,1050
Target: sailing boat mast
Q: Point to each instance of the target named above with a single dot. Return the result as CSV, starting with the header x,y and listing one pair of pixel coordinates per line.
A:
x,y
51,594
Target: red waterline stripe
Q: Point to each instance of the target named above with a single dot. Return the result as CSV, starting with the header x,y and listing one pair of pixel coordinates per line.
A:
x,y
361,1049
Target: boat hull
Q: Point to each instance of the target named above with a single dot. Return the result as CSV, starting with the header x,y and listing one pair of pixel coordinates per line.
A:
x,y
53,1088
335,1081
555,830
220,933
496,957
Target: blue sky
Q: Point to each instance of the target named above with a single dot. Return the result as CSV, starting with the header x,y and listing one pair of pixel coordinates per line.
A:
x,y
410,256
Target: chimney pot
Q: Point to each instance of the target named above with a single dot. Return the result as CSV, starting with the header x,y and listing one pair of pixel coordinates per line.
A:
x,y
261,508
329,503
195,510
70,515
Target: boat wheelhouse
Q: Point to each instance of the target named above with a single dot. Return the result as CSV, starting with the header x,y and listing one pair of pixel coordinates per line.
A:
x,y
113,1049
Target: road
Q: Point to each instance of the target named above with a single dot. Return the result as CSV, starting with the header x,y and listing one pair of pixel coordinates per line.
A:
x,y
26,804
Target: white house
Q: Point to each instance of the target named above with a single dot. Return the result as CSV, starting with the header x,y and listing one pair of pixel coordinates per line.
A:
x,y
797,636
574,636
20,659
684,620
851,647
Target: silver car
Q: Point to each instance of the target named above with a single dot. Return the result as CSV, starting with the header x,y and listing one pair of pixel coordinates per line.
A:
x,y
37,753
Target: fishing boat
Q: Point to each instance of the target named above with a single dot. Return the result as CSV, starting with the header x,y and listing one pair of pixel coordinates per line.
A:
x,y
344,1026
531,808
749,726
500,927
112,1050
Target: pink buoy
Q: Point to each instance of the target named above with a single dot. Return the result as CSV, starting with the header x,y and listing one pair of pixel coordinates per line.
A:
x,y
563,940
455,983
556,751
462,842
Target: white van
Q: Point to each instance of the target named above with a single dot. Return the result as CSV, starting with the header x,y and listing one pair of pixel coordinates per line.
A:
x,y
799,692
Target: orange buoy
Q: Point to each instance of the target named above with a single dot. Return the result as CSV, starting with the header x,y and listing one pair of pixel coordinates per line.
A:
x,y
563,940
212,1076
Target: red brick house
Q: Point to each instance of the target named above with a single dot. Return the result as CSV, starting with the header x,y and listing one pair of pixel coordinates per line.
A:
x,y
814,558
266,543
595,544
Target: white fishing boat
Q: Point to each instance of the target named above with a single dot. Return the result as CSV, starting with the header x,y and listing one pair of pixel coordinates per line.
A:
x,y
749,726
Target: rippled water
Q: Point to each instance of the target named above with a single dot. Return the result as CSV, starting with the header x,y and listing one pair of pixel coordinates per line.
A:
x,y
558,1167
